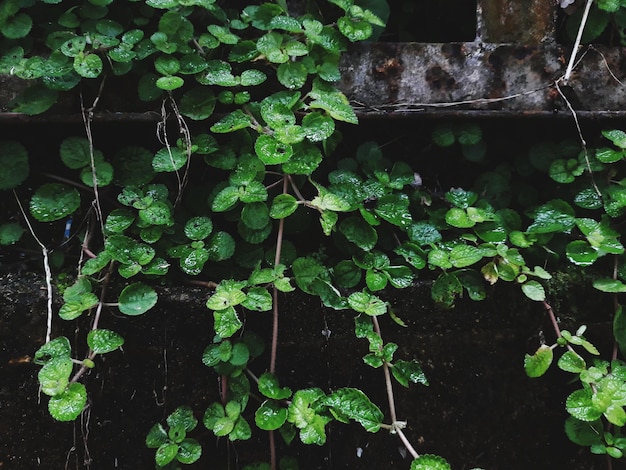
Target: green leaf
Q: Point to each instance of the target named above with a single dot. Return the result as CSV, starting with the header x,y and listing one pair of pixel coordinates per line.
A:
x,y
169,159
332,101
555,216
14,163
619,328
354,404
394,208
607,155
54,201
10,233
571,362
137,299
220,246
183,417
458,218
292,75
225,296
270,388
258,299
580,253
156,436
430,462
226,322
464,255
103,171
305,159
270,151
283,206
270,416
461,198
375,280
68,405
58,347
198,228
534,291
36,99
369,304
252,77
537,364
166,453
55,374
74,307
232,122
423,233
583,433
616,136
198,103
226,199
103,341
75,152
579,404
566,171
189,451
609,285
355,29
317,126
255,215
408,371
88,66
359,232
445,289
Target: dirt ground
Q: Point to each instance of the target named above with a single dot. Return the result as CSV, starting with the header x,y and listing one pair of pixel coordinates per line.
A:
x,y
480,409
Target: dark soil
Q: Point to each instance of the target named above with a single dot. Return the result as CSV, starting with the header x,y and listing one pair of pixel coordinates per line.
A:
x,y
480,409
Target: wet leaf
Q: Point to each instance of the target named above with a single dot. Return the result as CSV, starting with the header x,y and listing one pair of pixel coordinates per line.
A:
x,y
580,253
571,362
198,228
166,453
534,291
369,304
537,364
54,201
408,371
270,388
68,405
355,405
183,417
137,299
169,159
54,375
579,405
430,462
226,322
270,416
270,151
102,341
189,451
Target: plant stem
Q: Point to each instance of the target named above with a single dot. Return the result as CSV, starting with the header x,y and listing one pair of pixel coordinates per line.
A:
x,y
46,267
552,317
581,28
279,245
396,428
389,386
407,444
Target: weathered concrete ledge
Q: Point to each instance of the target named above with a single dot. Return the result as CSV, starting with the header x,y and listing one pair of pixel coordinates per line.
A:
x,y
388,78
442,79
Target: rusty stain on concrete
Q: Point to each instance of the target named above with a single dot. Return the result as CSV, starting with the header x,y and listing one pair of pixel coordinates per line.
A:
x,y
518,21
